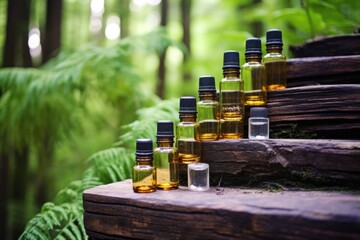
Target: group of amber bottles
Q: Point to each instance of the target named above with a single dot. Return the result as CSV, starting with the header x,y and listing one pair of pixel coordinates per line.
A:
x,y
214,116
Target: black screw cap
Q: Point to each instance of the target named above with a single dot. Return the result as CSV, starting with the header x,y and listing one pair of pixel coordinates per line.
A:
x,y
144,147
253,46
165,129
207,84
274,37
187,105
258,112
231,59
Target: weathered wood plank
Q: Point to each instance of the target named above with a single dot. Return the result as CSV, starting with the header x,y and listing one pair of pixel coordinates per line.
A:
x,y
322,162
323,70
114,212
348,44
330,111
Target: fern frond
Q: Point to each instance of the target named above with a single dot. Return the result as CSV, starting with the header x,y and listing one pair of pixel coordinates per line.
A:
x,y
145,127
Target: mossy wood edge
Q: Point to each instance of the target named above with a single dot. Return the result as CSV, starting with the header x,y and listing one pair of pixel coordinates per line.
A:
x,y
322,162
330,111
114,212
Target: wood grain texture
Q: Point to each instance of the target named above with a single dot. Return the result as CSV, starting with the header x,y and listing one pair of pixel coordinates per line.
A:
x,y
329,162
330,111
347,44
323,70
114,212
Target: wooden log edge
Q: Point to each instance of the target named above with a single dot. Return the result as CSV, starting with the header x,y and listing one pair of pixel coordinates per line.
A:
x,y
318,162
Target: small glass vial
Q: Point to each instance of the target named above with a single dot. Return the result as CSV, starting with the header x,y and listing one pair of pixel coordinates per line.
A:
x,y
253,74
166,157
274,61
258,123
188,145
144,173
198,177
208,110
232,108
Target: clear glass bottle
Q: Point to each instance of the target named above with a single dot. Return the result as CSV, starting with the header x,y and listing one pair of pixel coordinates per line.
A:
x,y
208,110
186,138
198,177
144,173
253,74
231,98
166,157
258,123
275,61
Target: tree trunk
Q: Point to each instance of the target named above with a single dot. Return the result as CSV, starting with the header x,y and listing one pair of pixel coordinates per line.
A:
x,y
162,70
16,50
185,19
52,33
124,18
4,168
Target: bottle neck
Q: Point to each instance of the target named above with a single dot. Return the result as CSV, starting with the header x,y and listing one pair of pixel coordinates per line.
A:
x,y
144,160
252,57
187,117
165,142
274,49
207,96
231,72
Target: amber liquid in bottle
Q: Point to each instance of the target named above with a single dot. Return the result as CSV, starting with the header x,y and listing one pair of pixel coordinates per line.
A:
x,y
144,177
144,173
275,61
253,74
167,169
208,110
232,105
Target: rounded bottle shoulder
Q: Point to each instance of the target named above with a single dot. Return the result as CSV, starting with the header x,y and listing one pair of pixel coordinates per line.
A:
x,y
165,150
252,65
273,56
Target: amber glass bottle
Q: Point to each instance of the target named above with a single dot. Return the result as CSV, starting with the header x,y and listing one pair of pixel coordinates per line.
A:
x,y
166,157
253,74
231,98
186,140
275,62
208,110
144,174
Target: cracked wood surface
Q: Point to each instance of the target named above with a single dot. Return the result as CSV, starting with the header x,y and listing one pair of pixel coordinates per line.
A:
x,y
114,211
239,161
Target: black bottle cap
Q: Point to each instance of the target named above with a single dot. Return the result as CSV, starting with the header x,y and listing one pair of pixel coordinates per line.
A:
x,y
274,37
231,59
187,105
165,129
207,84
144,147
258,112
253,46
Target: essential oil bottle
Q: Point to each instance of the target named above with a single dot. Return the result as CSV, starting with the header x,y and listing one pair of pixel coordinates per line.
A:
x,y
231,98
166,157
208,110
258,123
186,132
274,61
253,74
144,173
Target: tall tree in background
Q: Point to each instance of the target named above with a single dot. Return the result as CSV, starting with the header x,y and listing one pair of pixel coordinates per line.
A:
x,y
16,54
16,50
52,35
185,20
162,70
124,17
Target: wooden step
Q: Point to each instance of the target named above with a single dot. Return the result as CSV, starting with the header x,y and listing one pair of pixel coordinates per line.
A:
x,y
329,111
319,162
114,211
